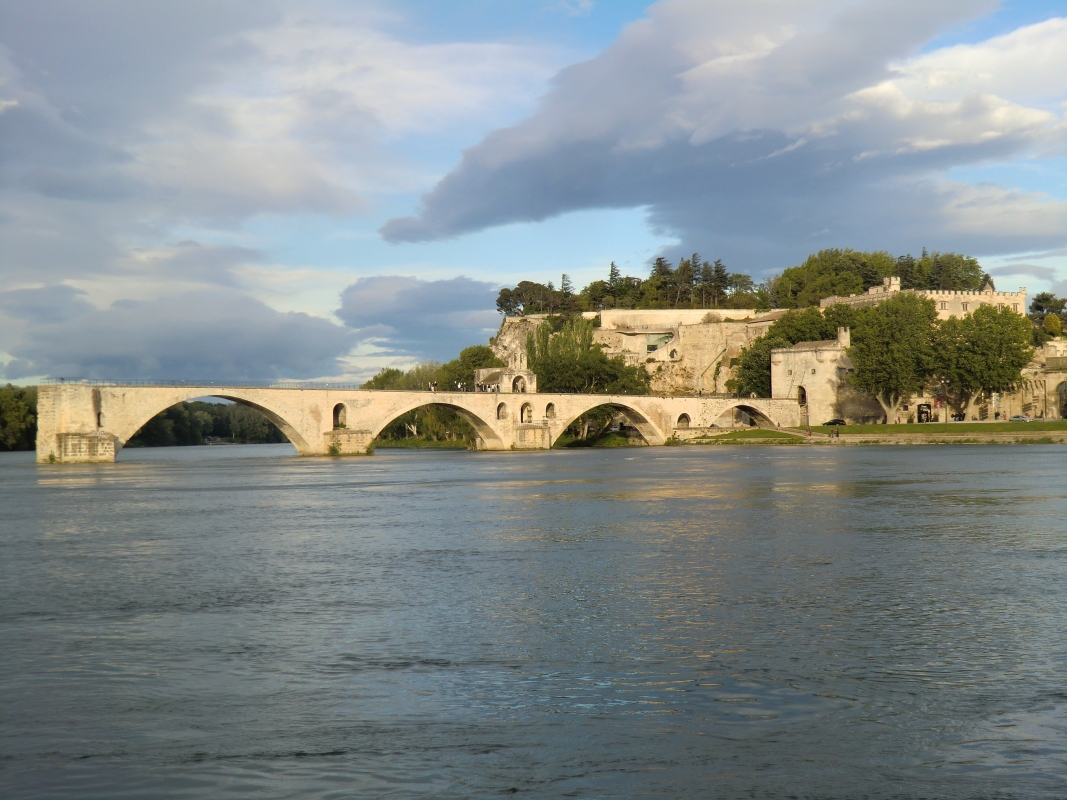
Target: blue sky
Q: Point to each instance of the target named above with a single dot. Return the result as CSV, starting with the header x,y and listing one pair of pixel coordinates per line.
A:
x,y
321,189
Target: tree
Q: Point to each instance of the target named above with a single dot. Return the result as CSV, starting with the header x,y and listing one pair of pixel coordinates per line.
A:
x,y
683,283
706,280
565,285
569,361
719,284
982,352
18,417
461,370
614,277
1052,325
661,268
752,369
891,349
832,272
942,271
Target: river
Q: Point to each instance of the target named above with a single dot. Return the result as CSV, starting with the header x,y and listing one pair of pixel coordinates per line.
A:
x,y
235,621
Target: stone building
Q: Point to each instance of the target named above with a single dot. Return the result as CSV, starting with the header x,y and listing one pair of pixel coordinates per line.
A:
x,y
686,351
948,304
815,374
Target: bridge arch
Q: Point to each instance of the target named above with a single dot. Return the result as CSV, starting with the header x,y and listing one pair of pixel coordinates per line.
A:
x,y
648,430
486,433
760,417
145,411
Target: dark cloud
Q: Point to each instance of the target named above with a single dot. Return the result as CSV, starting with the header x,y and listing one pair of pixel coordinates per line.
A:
x,y
426,319
48,304
761,132
1041,273
216,335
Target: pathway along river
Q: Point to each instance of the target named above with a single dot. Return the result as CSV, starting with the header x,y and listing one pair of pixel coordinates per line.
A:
x,y
672,622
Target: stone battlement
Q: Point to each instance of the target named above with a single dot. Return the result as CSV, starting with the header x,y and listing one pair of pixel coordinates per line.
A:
x,y
950,302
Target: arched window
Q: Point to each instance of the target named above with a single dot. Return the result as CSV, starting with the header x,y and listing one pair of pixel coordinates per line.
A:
x,y
683,421
502,411
674,354
550,411
518,386
526,414
340,416
802,396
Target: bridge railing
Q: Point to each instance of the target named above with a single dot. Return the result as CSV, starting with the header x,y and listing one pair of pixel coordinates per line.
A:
x,y
209,384
206,384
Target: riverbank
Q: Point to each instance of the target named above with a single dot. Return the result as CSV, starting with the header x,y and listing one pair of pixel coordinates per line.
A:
x,y
1047,432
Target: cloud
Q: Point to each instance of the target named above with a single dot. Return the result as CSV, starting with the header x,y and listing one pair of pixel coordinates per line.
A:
x,y
427,319
217,335
1041,273
761,132
47,304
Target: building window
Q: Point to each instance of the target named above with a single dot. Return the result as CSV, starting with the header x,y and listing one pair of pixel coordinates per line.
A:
x,y
1000,306
965,307
1015,307
790,372
944,305
813,372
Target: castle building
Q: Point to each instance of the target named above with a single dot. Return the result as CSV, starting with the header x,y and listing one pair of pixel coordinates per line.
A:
x,y
688,351
947,303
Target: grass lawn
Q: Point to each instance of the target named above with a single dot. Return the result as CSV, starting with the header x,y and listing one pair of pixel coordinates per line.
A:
x,y
609,439
385,444
941,428
751,433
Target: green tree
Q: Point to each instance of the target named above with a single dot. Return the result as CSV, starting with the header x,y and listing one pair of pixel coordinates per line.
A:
x,y
831,272
18,417
569,361
982,352
752,368
891,350
190,423
461,370
1052,325
941,271
719,284
683,283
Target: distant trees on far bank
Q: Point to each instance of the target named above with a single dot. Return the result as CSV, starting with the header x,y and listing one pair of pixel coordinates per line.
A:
x,y
184,424
698,283
194,422
18,417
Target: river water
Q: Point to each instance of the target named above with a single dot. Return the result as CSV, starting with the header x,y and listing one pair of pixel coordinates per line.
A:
x,y
232,622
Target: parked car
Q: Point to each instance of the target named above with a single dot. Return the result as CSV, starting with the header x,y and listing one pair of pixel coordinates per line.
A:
x,y
835,422
961,417
1019,418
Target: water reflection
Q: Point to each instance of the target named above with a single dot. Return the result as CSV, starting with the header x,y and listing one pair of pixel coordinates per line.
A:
x,y
879,622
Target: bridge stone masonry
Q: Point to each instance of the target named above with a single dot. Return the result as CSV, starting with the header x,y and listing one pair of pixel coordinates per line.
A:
x,y
81,422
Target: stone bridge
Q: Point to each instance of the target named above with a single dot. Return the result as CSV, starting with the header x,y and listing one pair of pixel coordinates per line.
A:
x,y
83,422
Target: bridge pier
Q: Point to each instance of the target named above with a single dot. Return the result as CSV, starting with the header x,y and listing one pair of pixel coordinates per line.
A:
x,y
83,423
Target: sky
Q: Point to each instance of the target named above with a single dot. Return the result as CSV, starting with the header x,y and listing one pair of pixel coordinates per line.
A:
x,y
258,190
